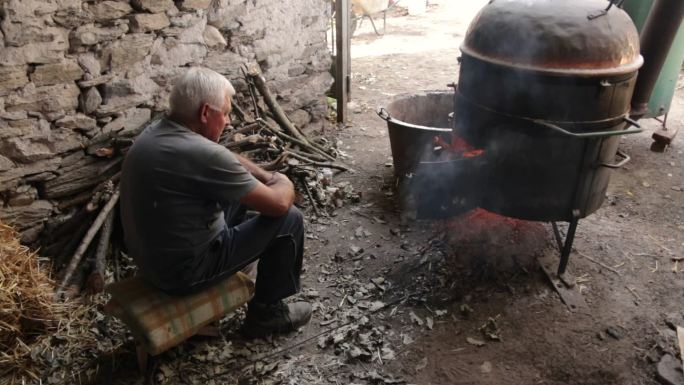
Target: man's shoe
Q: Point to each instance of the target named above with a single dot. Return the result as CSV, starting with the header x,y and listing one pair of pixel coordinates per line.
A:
x,y
263,320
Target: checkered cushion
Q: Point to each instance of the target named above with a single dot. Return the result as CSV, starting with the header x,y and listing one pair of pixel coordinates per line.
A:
x,y
160,321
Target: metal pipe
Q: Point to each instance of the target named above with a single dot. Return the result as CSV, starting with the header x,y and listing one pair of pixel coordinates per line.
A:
x,y
656,38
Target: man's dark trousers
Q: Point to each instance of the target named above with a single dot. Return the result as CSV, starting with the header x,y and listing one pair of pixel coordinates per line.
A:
x,y
277,242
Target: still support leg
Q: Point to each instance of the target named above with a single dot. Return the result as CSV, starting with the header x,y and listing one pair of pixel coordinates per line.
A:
x,y
567,247
557,235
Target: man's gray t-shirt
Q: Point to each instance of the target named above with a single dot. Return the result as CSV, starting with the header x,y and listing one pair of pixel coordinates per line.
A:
x,y
174,186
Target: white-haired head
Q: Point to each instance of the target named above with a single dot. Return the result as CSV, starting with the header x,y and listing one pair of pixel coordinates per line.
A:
x,y
194,88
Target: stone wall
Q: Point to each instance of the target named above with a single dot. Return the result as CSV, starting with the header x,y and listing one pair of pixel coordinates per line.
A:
x,y
72,71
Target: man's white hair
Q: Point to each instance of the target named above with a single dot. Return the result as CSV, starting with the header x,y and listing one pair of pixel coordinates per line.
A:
x,y
197,86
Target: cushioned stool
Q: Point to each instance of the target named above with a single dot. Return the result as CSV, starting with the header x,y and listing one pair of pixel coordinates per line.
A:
x,y
159,321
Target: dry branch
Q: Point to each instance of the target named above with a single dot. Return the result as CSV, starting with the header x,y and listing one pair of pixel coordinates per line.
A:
x,y
96,280
78,255
278,112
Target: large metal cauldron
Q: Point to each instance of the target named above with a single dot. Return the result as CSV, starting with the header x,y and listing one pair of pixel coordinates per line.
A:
x,y
545,87
413,122
431,185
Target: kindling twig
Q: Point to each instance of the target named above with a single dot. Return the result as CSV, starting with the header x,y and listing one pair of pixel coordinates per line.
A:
x,y
241,114
78,255
317,164
278,113
600,263
302,180
250,87
97,277
301,143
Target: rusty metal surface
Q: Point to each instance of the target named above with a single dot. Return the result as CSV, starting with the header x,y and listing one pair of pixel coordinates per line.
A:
x,y
565,37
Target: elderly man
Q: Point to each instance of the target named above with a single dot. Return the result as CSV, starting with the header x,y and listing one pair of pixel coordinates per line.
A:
x,y
183,204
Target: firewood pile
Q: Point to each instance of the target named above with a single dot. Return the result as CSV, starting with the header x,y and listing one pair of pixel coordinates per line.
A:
x,y
79,240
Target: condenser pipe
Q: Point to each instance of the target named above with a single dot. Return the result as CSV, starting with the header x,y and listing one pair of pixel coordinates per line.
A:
x,y
656,39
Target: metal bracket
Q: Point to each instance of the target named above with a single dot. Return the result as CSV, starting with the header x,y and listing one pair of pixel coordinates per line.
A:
x,y
570,295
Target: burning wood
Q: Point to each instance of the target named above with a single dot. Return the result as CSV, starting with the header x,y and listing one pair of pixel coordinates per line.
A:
x,y
457,148
487,243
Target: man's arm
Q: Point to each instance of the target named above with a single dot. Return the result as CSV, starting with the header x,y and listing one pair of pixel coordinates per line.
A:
x,y
273,194
259,173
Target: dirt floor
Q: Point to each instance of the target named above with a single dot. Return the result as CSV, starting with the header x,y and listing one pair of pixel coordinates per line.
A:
x,y
625,262
464,301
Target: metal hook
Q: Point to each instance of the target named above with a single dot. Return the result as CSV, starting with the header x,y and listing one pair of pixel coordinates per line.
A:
x,y
603,12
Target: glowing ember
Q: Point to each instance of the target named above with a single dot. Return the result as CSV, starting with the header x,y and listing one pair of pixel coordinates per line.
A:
x,y
458,147
481,239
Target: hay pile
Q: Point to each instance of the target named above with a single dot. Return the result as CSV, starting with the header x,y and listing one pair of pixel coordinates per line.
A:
x,y
42,339
27,310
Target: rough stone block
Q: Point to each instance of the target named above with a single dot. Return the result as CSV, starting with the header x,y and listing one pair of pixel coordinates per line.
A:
x,y
223,14
90,100
63,140
145,22
116,105
109,10
89,34
28,127
5,164
130,121
296,70
191,5
91,81
25,217
299,118
72,18
25,150
35,53
63,72
213,38
127,51
31,30
45,99
154,6
10,178
12,77
17,10
22,196
125,87
184,20
77,122
14,115
176,54
188,28
227,62
90,64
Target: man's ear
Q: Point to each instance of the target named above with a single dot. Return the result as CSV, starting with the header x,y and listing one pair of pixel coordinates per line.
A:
x,y
204,113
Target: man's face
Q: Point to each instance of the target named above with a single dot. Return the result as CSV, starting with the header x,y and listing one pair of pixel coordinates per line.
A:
x,y
216,120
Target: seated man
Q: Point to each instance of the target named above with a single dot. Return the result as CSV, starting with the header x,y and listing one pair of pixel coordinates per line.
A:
x,y
183,201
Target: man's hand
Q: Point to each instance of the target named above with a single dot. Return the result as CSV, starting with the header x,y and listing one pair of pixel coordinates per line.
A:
x,y
273,195
262,175
277,177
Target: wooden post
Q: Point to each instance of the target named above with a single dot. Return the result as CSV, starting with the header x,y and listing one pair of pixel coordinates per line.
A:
x,y
342,59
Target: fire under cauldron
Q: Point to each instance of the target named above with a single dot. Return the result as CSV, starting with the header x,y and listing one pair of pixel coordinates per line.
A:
x,y
544,93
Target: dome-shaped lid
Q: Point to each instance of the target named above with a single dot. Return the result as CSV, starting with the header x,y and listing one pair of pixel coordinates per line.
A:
x,y
563,36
